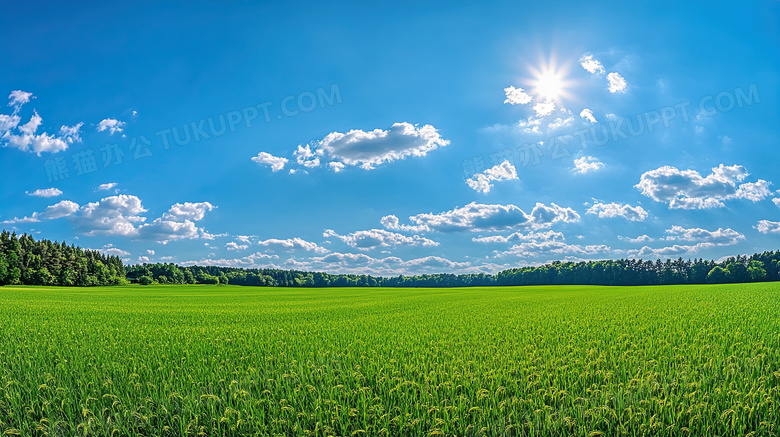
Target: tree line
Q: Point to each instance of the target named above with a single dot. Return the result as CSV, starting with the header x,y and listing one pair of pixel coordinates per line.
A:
x,y
26,261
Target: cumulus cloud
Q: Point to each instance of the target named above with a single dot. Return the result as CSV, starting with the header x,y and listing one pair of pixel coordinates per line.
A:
x,y
617,84
697,238
639,239
111,125
367,149
25,137
360,263
486,217
291,244
687,189
391,222
105,187
587,114
552,248
545,108
123,215
768,227
115,215
483,182
60,209
188,211
45,192
776,201
163,231
373,238
531,125
560,122
720,237
633,213
17,98
516,96
275,162
255,260
591,65
235,246
109,249
517,236
587,164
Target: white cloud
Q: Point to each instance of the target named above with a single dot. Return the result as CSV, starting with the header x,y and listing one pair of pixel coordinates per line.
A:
x,y
591,65
587,114
368,149
776,201
31,126
720,237
545,108
108,186
60,209
150,251
8,123
560,122
235,246
687,189
30,141
550,248
336,166
768,227
143,259
71,134
121,215
194,211
617,84
633,213
255,260
115,215
26,138
373,238
639,239
17,98
391,222
482,182
109,249
45,192
587,164
484,217
290,244
163,231
516,236
32,219
277,163
516,96
702,239
111,125
360,264
434,263
305,156
530,126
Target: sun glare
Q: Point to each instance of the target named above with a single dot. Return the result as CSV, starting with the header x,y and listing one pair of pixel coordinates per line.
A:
x,y
549,85
548,81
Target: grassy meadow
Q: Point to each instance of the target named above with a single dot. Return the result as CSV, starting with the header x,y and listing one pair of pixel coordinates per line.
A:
x,y
236,361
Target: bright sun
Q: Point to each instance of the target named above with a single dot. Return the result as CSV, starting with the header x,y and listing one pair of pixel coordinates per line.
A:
x,y
549,85
548,81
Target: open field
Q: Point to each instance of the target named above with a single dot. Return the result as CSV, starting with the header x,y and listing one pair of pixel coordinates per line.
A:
x,y
226,360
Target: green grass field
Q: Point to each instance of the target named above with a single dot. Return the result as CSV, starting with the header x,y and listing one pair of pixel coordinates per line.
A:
x,y
224,360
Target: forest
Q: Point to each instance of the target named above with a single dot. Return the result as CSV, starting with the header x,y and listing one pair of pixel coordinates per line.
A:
x,y
28,262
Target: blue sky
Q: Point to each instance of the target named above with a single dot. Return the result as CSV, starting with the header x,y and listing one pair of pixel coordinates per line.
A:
x,y
392,138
